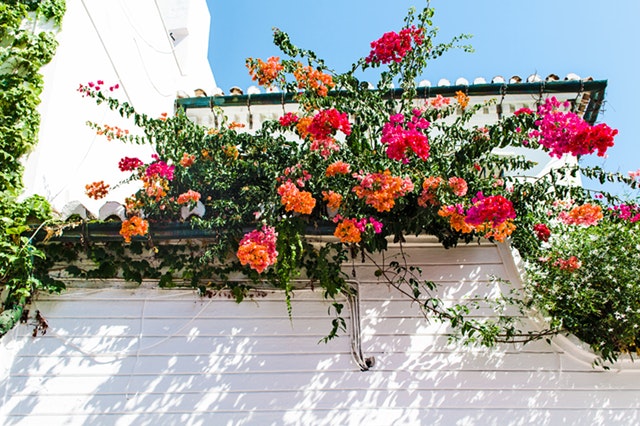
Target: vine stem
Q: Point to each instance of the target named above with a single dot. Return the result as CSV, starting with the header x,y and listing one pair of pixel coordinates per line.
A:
x,y
504,337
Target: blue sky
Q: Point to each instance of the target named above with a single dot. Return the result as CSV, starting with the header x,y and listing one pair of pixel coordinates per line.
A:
x,y
586,37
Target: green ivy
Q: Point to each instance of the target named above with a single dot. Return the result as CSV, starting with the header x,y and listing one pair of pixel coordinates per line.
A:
x,y
22,53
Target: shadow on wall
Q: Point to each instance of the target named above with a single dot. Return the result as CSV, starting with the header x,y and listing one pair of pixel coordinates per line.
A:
x,y
155,357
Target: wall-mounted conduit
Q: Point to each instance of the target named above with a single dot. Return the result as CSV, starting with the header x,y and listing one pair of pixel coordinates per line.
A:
x,y
353,299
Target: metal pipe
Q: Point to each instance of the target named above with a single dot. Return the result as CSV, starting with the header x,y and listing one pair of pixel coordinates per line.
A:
x,y
353,299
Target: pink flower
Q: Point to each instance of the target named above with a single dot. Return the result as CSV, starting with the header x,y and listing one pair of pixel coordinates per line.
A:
x,y
402,137
160,168
629,212
494,210
439,101
392,47
289,119
542,231
325,147
377,226
566,133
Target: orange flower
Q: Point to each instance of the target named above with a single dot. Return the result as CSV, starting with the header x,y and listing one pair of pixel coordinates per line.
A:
x,y
462,98
254,255
587,215
302,126
311,79
132,204
333,199
456,216
187,160
236,125
428,196
498,233
134,226
295,200
348,232
338,168
97,190
264,72
231,151
258,249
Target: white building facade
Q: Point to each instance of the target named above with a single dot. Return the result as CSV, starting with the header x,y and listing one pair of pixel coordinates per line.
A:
x,y
154,50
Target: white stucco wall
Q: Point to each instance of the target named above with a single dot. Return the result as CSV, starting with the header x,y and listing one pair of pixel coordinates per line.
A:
x,y
124,42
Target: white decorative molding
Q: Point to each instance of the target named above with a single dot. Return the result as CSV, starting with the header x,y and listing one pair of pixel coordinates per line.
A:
x,y
75,208
112,208
198,210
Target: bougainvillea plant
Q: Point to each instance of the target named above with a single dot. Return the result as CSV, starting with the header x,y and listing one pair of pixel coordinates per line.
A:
x,y
374,168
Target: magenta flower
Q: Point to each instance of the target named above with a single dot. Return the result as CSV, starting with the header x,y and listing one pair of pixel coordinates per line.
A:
x,y
129,164
392,47
402,137
161,169
494,209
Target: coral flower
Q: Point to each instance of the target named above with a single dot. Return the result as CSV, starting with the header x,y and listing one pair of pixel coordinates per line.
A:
x,y
571,264
338,168
380,190
188,197
439,101
295,200
458,186
187,160
428,197
586,215
258,249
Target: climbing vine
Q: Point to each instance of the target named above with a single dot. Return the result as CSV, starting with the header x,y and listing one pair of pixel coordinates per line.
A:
x,y
24,49
371,166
